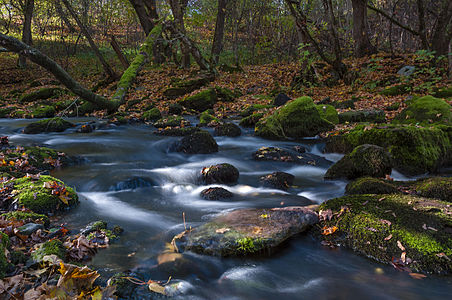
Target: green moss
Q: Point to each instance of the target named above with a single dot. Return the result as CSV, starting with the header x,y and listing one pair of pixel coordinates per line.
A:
x,y
205,118
225,94
171,121
44,111
152,114
370,185
4,112
444,92
48,125
426,110
248,245
376,226
4,244
371,116
328,112
27,217
32,194
415,150
200,101
251,121
436,187
42,94
347,104
254,108
395,90
53,247
297,119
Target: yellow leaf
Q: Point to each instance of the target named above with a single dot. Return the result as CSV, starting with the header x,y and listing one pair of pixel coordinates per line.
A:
x,y
157,288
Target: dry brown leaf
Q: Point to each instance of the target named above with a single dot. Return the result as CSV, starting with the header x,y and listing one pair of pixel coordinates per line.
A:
x,y
399,244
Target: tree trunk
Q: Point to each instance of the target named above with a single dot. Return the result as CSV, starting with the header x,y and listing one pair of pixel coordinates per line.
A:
x,y
145,19
63,16
443,32
26,33
363,46
217,44
108,70
143,57
47,63
178,9
421,28
114,44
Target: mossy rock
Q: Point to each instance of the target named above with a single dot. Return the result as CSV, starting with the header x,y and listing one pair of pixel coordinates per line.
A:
x,y
383,227
395,90
415,150
250,110
27,217
171,121
206,117
426,110
445,92
42,94
4,244
227,129
4,112
48,125
235,234
176,131
356,116
37,196
251,120
370,185
328,112
200,101
297,119
199,142
347,104
44,111
225,94
175,109
53,247
364,160
181,87
220,174
435,187
152,115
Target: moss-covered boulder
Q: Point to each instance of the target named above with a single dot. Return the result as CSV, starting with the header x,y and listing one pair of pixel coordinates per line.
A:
x,y
152,115
199,142
200,101
226,95
395,90
183,87
176,131
297,119
42,194
53,247
364,160
227,129
435,187
43,111
4,244
251,120
246,231
220,173
355,116
42,94
426,110
347,104
248,111
206,117
171,121
175,109
48,125
445,92
415,150
407,231
328,112
27,217
370,185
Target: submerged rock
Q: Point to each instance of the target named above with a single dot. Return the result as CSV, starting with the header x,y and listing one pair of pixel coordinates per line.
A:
x,y
216,193
278,180
48,125
298,156
365,160
131,184
199,142
297,119
228,129
412,233
246,231
221,173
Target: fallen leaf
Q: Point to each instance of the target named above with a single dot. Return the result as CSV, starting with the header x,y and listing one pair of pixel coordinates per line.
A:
x,y
442,254
417,275
157,288
329,230
399,244
222,230
388,237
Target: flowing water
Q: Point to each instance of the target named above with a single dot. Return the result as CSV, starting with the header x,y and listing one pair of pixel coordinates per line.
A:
x,y
152,214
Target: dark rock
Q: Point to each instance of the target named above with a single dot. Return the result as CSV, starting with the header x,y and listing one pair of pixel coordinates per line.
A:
x,y
175,109
251,120
406,71
284,155
152,115
29,228
171,121
347,104
278,180
326,100
364,160
86,128
246,231
176,131
281,99
216,193
371,116
221,173
199,142
94,226
228,129
48,125
299,149
131,184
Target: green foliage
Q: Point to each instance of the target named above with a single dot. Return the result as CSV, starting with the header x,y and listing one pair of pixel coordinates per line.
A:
x,y
4,244
247,245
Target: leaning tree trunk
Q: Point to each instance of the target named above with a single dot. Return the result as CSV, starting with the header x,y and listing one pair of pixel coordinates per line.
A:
x,y
47,63
26,33
143,57
217,44
63,16
108,70
363,46
145,19
178,9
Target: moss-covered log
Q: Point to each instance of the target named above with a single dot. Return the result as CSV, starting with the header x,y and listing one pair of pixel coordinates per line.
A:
x,y
145,53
